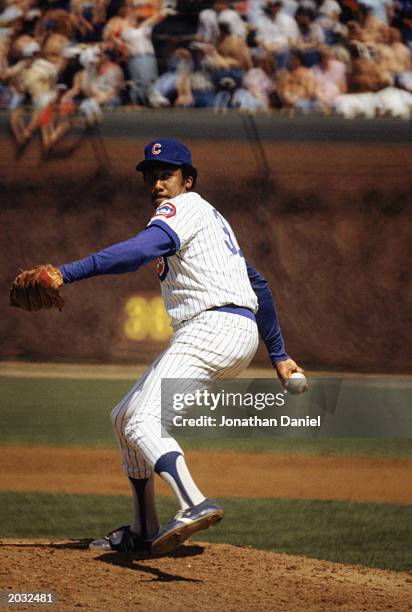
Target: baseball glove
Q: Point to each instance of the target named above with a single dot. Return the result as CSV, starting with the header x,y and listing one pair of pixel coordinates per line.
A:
x,y
37,289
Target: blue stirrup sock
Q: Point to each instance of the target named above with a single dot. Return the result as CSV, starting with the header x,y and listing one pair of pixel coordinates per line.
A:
x,y
145,519
173,469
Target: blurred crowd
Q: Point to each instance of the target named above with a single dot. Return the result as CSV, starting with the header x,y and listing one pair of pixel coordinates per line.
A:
x,y
65,58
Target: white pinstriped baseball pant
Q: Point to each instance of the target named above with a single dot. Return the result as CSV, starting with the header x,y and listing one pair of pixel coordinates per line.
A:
x,y
212,345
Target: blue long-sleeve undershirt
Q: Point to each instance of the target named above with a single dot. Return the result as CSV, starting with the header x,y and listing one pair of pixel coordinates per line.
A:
x,y
266,317
157,241
127,256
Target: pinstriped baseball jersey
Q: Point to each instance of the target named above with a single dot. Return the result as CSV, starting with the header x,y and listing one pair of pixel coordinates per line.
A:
x,y
208,269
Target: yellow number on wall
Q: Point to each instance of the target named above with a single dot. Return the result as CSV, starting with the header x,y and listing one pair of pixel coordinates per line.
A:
x,y
146,318
160,329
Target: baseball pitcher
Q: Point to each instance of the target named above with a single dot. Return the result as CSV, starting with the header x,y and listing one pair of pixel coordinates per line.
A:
x,y
218,304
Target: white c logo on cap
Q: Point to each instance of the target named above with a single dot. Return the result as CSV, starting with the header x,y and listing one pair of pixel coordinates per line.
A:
x,y
157,148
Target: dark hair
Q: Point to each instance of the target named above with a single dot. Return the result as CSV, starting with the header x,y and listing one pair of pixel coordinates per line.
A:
x,y
189,171
110,54
298,54
224,28
268,8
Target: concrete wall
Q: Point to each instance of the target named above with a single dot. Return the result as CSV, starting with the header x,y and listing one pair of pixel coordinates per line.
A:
x,y
321,209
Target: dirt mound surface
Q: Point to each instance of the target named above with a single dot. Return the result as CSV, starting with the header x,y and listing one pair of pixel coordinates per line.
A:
x,y
217,577
74,470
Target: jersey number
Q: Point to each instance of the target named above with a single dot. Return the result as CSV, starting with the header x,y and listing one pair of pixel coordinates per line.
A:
x,y
229,242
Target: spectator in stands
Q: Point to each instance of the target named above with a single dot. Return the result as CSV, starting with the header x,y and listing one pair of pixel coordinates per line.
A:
x,y
38,81
256,9
311,34
8,33
113,29
58,21
373,29
25,50
257,86
277,32
231,45
14,15
99,84
226,66
11,25
188,80
382,10
357,37
365,75
90,17
393,55
186,96
208,22
224,71
54,47
296,85
173,86
402,52
328,17
195,86
228,77
141,62
330,78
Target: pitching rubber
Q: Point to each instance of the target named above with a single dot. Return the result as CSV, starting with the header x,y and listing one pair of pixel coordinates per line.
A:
x,y
174,538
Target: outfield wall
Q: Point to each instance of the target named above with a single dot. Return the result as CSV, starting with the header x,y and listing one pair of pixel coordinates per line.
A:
x,y
320,206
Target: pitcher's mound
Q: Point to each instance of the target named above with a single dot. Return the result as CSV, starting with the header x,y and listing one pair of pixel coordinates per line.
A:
x,y
199,576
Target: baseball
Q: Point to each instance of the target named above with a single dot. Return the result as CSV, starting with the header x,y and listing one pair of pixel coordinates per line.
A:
x,y
297,383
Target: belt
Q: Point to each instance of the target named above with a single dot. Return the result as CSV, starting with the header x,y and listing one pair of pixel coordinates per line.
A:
x,y
233,309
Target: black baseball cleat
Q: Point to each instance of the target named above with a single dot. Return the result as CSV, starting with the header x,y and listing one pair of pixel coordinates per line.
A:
x,y
123,540
184,524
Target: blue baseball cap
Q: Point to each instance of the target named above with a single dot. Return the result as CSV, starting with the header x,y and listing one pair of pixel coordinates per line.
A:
x,y
165,150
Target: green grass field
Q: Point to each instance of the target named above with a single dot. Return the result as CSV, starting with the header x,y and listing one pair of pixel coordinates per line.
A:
x,y
69,412
368,534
